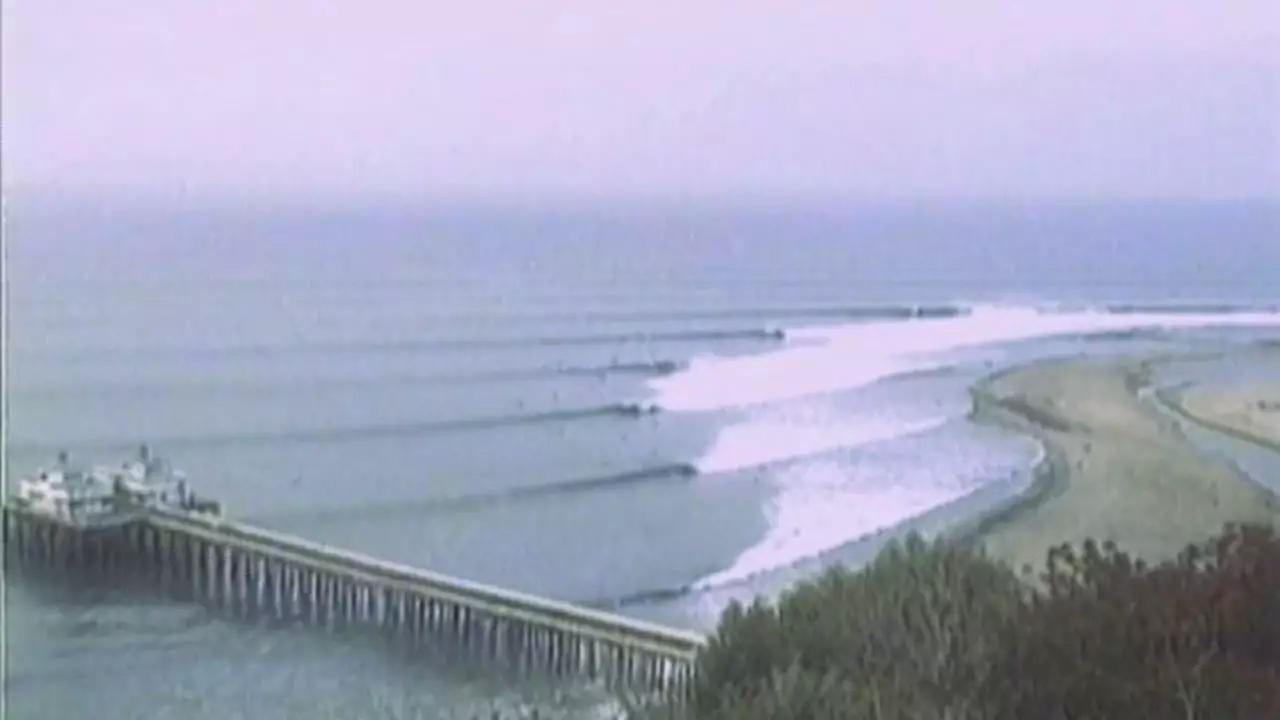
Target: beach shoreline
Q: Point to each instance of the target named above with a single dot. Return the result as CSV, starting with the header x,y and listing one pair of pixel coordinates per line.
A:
x,y
1113,468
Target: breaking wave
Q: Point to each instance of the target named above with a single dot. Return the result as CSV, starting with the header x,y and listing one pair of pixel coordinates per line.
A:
x,y
649,368
819,508
674,472
845,357
364,432
764,329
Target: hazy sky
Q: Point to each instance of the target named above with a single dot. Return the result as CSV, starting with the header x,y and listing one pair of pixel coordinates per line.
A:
x,y
1084,98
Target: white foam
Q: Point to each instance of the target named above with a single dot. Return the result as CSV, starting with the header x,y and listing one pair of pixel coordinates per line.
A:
x,y
822,505
845,357
777,436
821,508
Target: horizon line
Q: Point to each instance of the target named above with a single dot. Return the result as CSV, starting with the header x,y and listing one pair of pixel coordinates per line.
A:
x,y
36,198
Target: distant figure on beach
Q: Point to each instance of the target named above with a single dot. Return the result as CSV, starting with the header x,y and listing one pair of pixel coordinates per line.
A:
x,y
119,493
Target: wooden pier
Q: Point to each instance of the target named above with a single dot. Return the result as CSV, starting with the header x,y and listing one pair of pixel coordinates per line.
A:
x,y
249,572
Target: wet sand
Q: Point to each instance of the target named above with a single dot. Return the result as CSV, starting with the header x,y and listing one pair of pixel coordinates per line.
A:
x,y
1116,469
1249,411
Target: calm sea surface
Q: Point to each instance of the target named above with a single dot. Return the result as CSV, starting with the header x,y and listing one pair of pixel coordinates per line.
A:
x,y
446,388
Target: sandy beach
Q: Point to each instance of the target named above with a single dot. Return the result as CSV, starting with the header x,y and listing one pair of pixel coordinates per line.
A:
x,y
1250,411
1116,469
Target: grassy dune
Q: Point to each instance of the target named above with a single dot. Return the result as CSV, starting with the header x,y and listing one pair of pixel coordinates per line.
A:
x,y
1117,470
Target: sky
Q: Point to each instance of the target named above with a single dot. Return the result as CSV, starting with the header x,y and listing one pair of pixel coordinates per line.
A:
x,y
870,98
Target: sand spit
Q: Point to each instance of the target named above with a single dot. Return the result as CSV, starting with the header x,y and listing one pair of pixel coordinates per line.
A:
x,y
1115,468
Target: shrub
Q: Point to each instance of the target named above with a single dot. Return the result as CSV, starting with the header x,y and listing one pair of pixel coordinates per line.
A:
x,y
1197,637
934,632
909,635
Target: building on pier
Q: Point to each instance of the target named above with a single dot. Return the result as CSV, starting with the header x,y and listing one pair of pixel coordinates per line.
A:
x,y
144,527
146,481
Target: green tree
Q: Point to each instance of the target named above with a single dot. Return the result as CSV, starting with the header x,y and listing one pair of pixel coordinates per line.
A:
x,y
908,636
1196,637
930,631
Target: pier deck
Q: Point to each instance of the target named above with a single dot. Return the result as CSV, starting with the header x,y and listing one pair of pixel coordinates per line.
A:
x,y
249,571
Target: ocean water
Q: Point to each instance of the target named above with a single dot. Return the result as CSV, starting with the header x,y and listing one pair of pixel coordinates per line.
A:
x,y
447,387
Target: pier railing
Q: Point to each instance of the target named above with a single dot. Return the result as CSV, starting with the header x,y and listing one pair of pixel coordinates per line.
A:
x,y
245,569
499,601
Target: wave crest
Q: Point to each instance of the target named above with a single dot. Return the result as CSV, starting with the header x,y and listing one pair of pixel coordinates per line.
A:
x,y
846,357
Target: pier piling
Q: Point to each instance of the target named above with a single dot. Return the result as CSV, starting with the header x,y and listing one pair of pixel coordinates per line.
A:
x,y
251,573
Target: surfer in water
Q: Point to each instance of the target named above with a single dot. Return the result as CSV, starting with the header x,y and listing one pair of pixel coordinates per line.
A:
x,y
636,409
